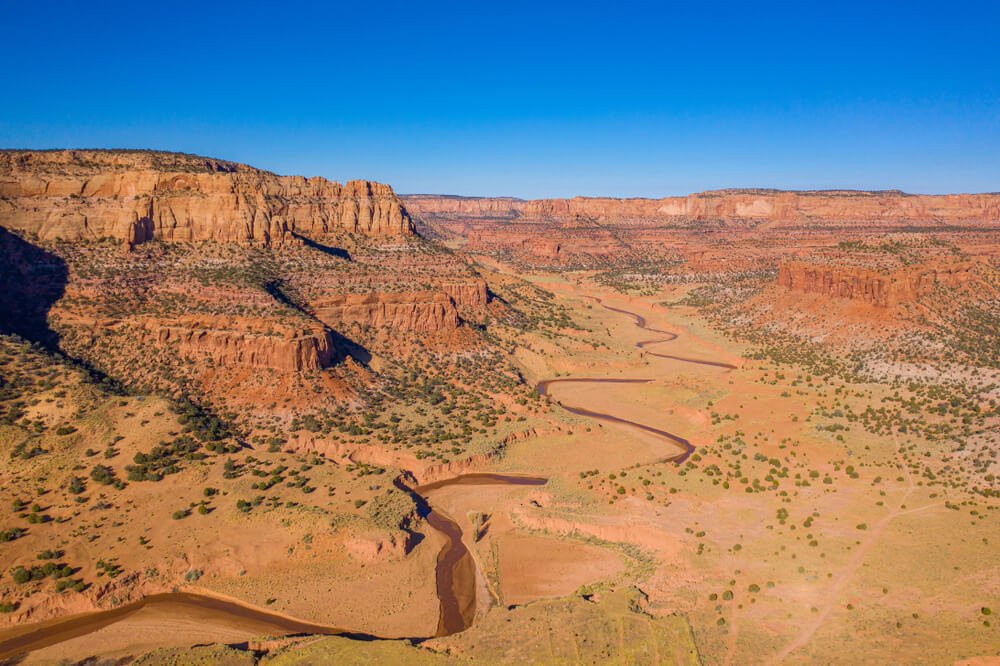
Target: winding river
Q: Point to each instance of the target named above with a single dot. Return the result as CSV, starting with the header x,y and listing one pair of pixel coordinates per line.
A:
x,y
43,634
686,447
455,574
640,322
455,568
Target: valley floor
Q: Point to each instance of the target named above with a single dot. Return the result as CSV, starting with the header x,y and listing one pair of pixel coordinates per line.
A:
x,y
791,535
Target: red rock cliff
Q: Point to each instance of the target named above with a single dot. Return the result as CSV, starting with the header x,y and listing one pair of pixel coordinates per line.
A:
x,y
471,293
139,196
779,207
234,342
420,311
872,287
470,207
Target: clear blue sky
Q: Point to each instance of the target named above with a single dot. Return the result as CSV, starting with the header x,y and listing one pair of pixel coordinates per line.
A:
x,y
525,99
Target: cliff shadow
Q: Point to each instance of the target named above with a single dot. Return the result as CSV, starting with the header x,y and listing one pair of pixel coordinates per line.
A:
x,y
33,280
351,348
325,249
344,345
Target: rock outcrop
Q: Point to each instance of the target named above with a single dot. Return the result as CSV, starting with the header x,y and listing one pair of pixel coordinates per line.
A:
x,y
881,289
469,293
140,196
236,342
416,311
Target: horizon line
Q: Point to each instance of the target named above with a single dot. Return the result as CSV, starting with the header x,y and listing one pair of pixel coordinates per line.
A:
x,y
711,190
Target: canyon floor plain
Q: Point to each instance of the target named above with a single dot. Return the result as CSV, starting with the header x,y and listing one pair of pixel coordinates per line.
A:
x,y
248,418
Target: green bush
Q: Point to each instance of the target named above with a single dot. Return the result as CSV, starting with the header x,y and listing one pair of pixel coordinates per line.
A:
x,y
11,534
103,474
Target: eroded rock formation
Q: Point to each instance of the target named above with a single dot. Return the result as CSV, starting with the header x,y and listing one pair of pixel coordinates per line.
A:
x,y
469,207
420,311
881,289
846,207
139,196
236,342
470,293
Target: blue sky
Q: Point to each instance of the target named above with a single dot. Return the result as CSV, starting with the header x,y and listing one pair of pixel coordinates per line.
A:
x,y
525,99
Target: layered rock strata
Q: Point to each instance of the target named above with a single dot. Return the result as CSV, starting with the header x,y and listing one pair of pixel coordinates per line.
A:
x,y
234,342
470,293
785,207
881,289
140,196
416,311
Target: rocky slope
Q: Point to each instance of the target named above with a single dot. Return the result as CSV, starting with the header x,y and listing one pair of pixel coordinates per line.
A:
x,y
135,196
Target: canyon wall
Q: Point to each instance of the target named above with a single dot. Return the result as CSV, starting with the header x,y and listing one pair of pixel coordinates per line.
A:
x,y
143,195
469,293
761,206
881,289
417,311
236,342
470,207
550,244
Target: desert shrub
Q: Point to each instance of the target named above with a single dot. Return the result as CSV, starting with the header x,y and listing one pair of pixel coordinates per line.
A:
x,y
108,568
163,459
11,534
103,474
201,423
